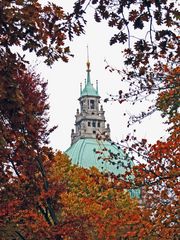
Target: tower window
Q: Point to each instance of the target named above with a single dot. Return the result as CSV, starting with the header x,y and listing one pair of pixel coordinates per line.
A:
x,y
94,124
89,124
81,105
92,105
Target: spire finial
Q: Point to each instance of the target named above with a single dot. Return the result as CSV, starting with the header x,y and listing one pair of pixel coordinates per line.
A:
x,y
88,63
80,88
97,86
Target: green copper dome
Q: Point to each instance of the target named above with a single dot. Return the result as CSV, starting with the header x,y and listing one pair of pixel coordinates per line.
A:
x,y
89,153
85,153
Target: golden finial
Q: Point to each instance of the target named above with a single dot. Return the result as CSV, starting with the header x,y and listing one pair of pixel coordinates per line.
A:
x,y
88,63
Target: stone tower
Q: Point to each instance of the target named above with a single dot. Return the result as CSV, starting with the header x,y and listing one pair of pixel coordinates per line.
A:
x,y
90,119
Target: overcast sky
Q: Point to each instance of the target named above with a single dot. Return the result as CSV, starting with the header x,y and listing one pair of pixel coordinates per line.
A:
x,y
64,87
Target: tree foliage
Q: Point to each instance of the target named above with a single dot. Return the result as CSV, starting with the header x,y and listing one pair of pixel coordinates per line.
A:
x,y
86,204
42,195
91,207
148,31
36,28
26,200
23,155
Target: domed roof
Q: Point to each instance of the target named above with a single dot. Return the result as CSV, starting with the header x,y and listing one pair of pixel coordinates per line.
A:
x,y
89,153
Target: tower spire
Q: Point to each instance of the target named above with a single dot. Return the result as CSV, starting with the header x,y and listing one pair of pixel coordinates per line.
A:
x,y
88,68
88,89
88,62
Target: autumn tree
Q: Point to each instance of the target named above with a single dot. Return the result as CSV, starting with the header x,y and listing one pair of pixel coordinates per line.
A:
x,y
36,28
26,197
33,204
24,134
91,207
148,32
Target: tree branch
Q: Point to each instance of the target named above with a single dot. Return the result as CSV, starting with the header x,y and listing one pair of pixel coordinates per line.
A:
x,y
20,235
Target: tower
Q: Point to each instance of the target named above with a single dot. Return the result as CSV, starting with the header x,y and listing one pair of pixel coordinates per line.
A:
x,y
90,119
87,148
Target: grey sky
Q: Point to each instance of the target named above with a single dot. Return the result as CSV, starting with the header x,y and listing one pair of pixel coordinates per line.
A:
x,y
64,87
